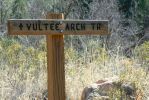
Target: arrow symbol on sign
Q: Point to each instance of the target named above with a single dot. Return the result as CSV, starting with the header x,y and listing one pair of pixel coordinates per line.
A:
x,y
20,26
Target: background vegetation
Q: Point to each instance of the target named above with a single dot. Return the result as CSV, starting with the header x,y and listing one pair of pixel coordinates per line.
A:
x,y
125,53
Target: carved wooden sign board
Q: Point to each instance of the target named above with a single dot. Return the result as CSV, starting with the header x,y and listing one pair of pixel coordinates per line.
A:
x,y
54,27
45,27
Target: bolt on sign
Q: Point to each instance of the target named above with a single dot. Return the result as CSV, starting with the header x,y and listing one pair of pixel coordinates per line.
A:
x,y
54,27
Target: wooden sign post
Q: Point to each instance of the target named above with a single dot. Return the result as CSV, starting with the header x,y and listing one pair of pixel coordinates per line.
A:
x,y
55,61
54,27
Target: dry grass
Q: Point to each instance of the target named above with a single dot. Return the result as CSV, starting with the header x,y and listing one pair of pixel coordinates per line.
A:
x,y
23,74
80,75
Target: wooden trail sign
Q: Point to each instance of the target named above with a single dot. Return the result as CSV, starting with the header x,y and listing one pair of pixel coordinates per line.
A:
x,y
54,27
49,26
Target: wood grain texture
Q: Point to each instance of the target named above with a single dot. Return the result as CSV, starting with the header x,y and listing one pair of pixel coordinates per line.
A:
x,y
49,26
55,61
